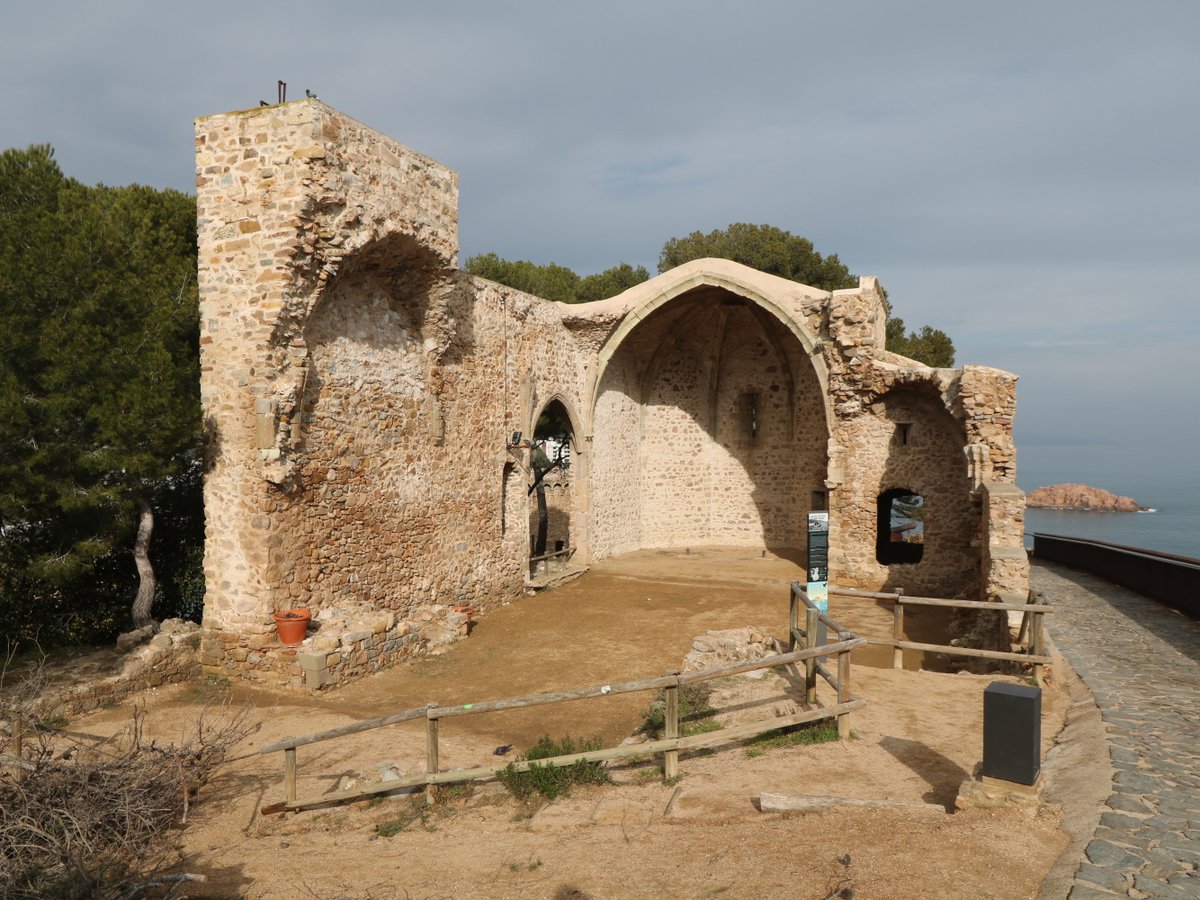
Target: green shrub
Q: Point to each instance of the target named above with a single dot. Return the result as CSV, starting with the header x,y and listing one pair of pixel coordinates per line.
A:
x,y
553,781
819,732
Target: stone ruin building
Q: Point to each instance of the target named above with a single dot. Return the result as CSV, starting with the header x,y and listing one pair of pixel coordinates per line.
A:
x,y
361,395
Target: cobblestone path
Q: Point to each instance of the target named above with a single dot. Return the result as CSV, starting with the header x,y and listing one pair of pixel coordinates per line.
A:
x,y
1142,662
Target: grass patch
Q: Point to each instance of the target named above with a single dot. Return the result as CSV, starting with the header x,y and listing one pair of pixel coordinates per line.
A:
x,y
446,794
820,732
391,828
553,781
532,866
415,811
696,714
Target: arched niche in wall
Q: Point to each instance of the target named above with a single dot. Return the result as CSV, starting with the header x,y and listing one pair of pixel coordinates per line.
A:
x,y
710,426
369,423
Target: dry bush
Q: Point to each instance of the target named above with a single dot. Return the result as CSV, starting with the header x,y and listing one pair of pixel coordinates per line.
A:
x,y
87,817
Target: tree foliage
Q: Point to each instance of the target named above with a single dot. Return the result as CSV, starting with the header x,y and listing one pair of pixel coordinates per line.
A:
x,y
778,252
554,282
99,370
929,345
763,247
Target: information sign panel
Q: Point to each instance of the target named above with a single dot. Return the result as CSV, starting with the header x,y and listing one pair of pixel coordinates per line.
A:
x,y
818,559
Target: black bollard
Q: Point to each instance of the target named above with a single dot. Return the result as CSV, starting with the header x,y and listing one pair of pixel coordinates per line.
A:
x,y
1012,732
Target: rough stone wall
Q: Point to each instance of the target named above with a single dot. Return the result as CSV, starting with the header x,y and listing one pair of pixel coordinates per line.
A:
x,y
353,388
279,208
926,458
360,392
1004,567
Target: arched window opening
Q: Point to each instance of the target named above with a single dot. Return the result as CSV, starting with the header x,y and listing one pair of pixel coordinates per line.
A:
x,y
900,537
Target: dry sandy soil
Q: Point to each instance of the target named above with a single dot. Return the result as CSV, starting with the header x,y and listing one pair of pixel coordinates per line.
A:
x,y
917,740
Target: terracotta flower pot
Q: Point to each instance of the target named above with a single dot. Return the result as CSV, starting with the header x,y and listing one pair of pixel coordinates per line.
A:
x,y
292,625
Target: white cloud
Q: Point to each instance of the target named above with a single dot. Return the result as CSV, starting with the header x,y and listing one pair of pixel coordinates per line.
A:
x,y
1022,175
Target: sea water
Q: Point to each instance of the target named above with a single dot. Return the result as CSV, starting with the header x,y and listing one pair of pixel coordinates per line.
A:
x,y
1173,528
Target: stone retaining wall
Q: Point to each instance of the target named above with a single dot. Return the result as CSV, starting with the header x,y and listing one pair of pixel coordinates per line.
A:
x,y
170,657
342,644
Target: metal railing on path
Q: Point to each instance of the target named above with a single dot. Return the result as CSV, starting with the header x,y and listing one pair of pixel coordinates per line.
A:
x,y
1165,577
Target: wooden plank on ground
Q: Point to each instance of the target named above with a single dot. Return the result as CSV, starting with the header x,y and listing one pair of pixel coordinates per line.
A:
x,y
804,803
625,687
754,729
768,662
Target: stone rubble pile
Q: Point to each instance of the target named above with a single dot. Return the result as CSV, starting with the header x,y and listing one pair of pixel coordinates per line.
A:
x,y
719,648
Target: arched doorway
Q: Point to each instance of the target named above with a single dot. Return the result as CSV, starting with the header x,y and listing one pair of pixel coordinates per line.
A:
x,y
551,494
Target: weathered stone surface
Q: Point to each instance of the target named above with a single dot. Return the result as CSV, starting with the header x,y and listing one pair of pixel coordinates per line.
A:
x,y
131,639
1111,856
1139,659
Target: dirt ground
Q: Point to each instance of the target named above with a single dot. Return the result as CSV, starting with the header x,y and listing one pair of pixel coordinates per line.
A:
x,y
918,739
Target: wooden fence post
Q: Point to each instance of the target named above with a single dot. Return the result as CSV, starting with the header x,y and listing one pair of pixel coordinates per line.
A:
x,y
898,630
793,621
843,690
431,749
811,618
671,726
1039,645
289,773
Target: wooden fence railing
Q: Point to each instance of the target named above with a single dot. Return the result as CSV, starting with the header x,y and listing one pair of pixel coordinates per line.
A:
x,y
1032,628
810,637
669,745
541,564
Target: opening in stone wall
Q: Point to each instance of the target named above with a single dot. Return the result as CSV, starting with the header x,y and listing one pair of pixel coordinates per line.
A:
x,y
550,474
900,537
749,408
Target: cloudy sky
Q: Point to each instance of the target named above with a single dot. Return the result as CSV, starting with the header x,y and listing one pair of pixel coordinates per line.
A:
x,y
1023,175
